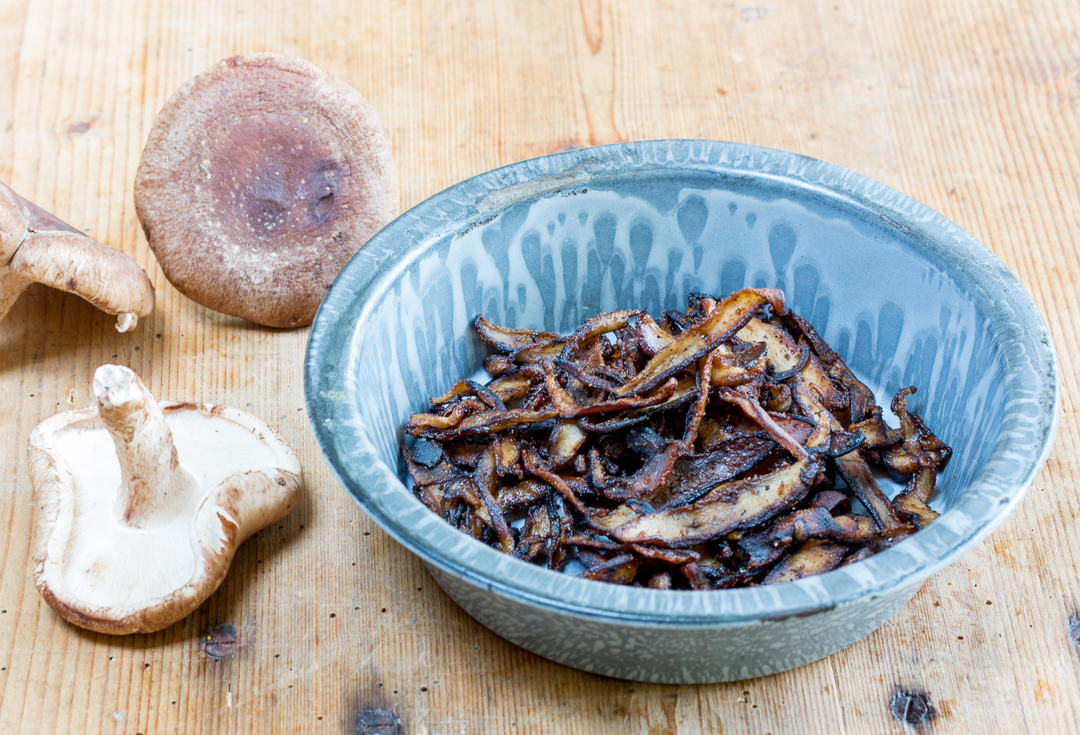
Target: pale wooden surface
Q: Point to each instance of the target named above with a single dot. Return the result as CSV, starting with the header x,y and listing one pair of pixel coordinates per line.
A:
x,y
970,106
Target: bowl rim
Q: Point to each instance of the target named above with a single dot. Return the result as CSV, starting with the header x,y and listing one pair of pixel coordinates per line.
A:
x,y
1029,364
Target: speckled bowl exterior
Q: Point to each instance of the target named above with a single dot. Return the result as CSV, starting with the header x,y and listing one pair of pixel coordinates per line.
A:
x,y
903,294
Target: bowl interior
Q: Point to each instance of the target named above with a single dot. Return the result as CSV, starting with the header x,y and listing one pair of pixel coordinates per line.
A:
x,y
896,316
905,297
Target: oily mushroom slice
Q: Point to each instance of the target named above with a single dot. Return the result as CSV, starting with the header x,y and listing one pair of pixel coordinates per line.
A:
x,y
728,507
36,247
732,315
261,177
814,557
140,506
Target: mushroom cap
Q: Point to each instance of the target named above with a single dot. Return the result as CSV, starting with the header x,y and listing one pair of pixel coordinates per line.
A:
x,y
37,247
100,574
261,177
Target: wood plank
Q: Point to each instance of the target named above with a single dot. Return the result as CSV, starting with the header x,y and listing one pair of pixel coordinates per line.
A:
x,y
969,106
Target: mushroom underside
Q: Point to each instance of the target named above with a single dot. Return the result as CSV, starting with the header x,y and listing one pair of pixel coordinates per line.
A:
x,y
101,568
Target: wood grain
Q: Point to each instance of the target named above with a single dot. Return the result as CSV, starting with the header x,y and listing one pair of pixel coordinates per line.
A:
x,y
972,106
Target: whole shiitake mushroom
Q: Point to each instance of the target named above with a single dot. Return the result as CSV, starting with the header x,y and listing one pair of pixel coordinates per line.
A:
x,y
261,177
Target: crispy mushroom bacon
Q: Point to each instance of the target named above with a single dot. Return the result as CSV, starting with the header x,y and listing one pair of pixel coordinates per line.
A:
x,y
694,452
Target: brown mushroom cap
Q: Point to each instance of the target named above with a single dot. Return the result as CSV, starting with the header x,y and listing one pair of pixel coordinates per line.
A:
x,y
36,247
261,177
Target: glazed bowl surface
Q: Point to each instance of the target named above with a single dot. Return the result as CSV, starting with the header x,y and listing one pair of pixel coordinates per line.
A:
x,y
905,296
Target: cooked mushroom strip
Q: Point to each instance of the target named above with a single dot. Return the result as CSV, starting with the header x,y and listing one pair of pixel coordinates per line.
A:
x,y
464,454
765,547
729,506
860,398
496,365
657,468
566,439
650,336
481,424
431,496
472,524
712,432
695,576
905,460
675,557
485,394
507,456
718,562
487,480
860,555
535,534
458,390
608,520
620,570
733,368
562,527
914,501
876,431
796,368
533,355
833,501
685,391
464,489
759,415
887,539
660,581
422,474
534,464
429,424
594,327
426,453
732,314
844,442
813,557
590,558
568,408
692,477
784,354
677,321
577,372
509,341
856,473
522,495
781,350
776,397
508,387
651,475
612,425
851,466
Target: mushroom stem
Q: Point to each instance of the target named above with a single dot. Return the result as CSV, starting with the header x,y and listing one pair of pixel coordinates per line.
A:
x,y
153,484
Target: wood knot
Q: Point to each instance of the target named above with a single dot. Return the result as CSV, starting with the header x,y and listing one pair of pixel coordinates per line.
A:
x,y
220,642
378,722
911,708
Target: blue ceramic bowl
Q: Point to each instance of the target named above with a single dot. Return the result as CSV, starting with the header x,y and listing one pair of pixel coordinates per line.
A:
x,y
903,294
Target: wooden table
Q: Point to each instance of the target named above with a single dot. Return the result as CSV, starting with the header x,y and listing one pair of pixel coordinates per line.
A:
x,y
971,106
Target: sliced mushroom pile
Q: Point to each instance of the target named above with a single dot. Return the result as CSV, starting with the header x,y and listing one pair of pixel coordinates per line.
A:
x,y
727,446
